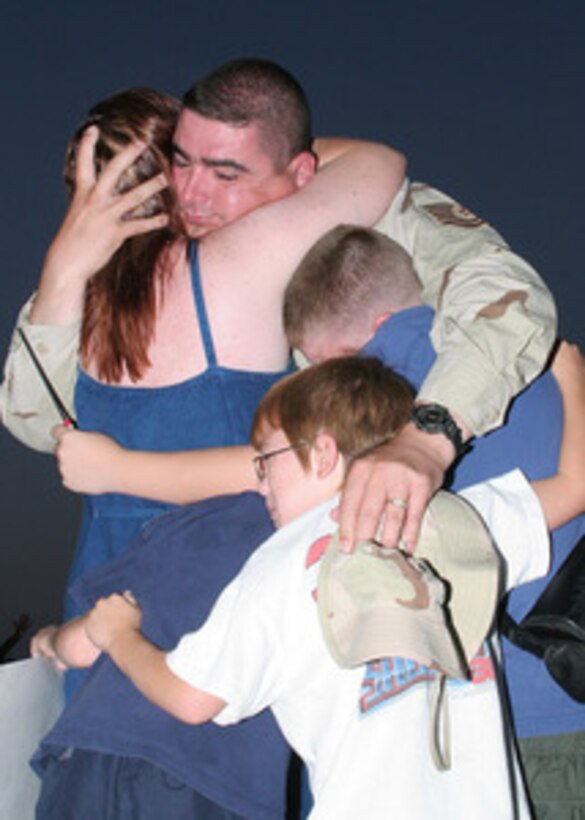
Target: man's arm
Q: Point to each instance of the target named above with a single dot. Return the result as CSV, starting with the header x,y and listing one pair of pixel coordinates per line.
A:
x,y
494,328
113,625
495,319
26,409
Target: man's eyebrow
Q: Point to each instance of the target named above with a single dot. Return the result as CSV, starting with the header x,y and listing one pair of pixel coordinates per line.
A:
x,y
212,163
225,163
178,150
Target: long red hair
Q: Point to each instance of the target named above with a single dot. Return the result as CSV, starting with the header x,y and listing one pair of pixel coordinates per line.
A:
x,y
120,300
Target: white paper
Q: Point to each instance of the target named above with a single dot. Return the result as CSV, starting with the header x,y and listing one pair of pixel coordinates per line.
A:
x,y
31,698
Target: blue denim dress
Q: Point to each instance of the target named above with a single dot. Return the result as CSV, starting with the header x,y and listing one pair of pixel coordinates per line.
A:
x,y
212,409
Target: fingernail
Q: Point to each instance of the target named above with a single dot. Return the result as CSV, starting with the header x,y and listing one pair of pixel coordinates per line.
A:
x,y
344,543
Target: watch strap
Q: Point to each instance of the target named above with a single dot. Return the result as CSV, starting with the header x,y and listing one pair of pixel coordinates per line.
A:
x,y
435,418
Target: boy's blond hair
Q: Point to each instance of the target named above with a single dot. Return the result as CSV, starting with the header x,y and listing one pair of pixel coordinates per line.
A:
x,y
351,275
357,400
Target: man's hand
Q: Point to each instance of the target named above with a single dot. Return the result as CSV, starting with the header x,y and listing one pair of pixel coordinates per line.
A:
x,y
112,619
97,223
86,461
394,482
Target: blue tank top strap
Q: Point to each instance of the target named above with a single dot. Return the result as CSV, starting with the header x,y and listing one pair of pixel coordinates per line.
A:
x,y
204,326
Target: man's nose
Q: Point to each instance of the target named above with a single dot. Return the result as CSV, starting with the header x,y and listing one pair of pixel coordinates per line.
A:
x,y
190,184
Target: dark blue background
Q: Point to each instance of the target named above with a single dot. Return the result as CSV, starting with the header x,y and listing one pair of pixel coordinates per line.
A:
x,y
486,99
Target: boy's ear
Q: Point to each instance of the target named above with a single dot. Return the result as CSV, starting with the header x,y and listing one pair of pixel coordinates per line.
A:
x,y
380,320
325,455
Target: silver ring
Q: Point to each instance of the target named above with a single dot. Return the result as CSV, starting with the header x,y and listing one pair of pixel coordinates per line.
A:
x,y
398,502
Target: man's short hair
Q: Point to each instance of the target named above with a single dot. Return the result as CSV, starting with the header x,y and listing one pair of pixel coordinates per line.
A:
x,y
249,90
348,274
358,401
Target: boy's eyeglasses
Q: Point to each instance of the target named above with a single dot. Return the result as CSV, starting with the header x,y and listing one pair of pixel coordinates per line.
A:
x,y
260,461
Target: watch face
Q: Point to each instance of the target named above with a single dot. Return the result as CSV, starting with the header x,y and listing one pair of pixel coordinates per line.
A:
x,y
433,418
432,415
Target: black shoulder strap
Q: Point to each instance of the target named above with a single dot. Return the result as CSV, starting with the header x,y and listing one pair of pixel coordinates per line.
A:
x,y
565,592
563,598
522,638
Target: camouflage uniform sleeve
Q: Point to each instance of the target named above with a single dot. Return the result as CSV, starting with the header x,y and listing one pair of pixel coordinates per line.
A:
x,y
26,409
496,319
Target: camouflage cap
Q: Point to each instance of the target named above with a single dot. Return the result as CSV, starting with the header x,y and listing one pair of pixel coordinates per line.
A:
x,y
435,607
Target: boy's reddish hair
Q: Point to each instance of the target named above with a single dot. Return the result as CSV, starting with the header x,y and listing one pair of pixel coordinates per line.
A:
x,y
357,400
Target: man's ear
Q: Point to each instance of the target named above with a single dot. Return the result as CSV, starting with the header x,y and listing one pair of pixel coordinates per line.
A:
x,y
302,168
325,455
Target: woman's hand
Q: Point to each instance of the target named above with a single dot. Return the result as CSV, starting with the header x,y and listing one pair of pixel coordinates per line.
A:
x,y
95,226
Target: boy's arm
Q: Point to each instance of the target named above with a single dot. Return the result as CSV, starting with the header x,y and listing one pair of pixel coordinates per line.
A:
x,y
113,625
94,463
66,645
562,496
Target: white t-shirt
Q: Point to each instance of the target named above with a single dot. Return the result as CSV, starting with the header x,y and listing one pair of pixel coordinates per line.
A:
x,y
364,732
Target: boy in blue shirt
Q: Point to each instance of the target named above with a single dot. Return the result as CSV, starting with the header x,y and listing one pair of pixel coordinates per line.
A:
x,y
357,290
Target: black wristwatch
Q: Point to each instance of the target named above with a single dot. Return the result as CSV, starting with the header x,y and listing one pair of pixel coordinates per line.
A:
x,y
434,418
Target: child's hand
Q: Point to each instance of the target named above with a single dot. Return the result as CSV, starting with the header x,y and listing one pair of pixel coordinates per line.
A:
x,y
113,618
42,646
86,461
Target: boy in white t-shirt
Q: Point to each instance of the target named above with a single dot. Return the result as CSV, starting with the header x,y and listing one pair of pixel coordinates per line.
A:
x,y
363,732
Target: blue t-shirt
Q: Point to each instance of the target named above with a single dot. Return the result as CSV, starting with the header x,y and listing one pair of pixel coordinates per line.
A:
x,y
176,568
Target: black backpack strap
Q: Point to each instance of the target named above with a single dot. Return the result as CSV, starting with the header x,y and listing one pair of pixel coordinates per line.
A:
x,y
520,637
564,595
